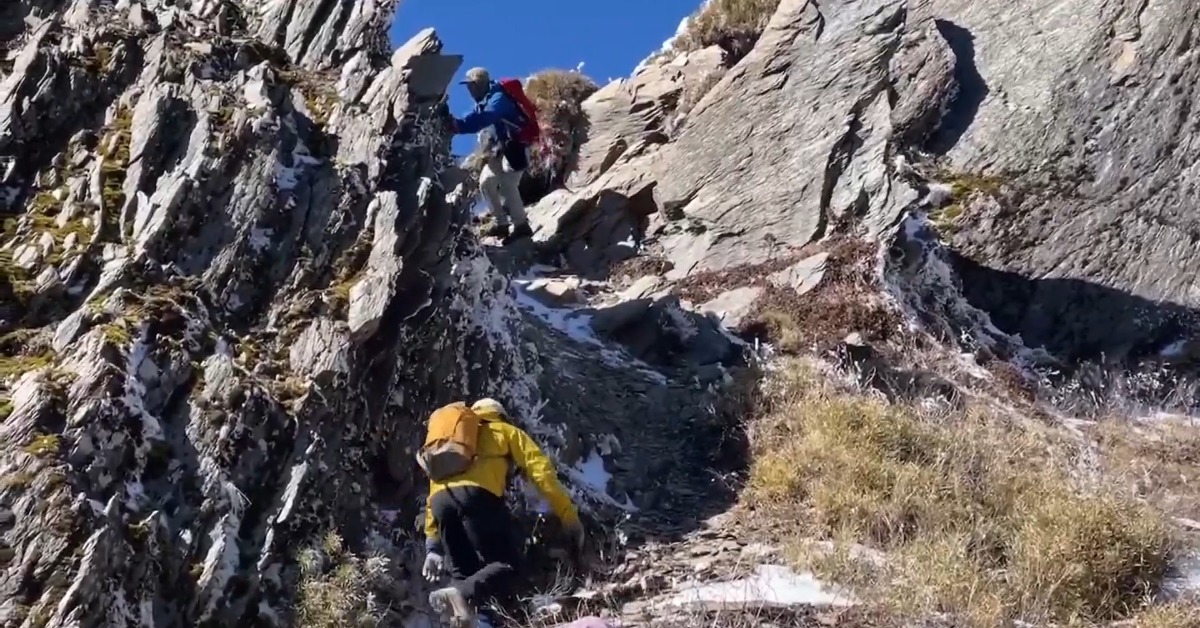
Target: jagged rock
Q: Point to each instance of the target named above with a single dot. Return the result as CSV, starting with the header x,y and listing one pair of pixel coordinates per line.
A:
x,y
323,34
48,283
641,288
629,116
612,319
661,331
811,100
195,238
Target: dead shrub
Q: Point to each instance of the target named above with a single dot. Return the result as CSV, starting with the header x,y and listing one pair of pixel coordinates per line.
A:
x,y
847,300
338,589
559,95
641,265
979,517
734,25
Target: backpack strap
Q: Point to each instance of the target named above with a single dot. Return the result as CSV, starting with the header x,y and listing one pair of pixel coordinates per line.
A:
x,y
516,106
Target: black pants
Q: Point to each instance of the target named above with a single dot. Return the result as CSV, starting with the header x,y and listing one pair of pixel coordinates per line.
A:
x,y
479,538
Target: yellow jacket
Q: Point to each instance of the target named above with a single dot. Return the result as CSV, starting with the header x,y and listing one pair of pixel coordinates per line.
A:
x,y
500,442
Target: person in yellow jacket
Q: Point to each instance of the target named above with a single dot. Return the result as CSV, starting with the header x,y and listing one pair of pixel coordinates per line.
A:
x,y
469,531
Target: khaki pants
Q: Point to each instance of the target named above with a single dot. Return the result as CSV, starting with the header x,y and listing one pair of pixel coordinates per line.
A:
x,y
499,184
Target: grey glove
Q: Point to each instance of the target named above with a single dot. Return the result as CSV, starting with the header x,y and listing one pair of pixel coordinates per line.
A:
x,y
432,569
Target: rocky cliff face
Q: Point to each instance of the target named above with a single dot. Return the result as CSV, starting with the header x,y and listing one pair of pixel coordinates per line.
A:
x,y
236,273
234,278
218,262
1053,170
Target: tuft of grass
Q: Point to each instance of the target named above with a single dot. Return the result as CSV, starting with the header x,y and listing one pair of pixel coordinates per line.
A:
x,y
559,95
340,590
844,302
979,518
316,89
42,217
117,333
291,387
15,366
339,293
115,165
348,269
43,445
963,187
734,25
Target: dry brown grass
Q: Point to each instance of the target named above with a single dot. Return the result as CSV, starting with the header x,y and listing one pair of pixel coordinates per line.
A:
x,y
734,25
1160,459
1175,615
846,301
979,515
559,95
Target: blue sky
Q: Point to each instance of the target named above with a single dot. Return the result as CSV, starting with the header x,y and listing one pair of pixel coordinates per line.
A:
x,y
519,37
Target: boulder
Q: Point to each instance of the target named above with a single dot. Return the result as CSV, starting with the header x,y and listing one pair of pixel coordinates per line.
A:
x,y
733,306
802,276
556,292
661,331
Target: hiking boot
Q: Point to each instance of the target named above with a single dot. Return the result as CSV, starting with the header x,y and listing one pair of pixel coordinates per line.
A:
x,y
496,231
522,231
450,601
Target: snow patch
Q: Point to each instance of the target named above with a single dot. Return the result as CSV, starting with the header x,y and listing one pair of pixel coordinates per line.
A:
x,y
669,43
589,479
577,325
590,472
286,177
771,586
1186,577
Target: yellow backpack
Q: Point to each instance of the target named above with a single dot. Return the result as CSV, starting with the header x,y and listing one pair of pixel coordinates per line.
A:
x,y
450,443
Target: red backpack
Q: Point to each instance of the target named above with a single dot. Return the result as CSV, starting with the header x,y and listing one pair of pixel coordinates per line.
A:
x,y
528,131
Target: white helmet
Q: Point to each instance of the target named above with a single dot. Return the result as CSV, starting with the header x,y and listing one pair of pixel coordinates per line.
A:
x,y
489,406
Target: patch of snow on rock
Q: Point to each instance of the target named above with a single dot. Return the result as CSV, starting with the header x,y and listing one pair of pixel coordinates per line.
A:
x,y
771,586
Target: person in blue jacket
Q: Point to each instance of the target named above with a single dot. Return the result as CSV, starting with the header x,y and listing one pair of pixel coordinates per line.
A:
x,y
507,158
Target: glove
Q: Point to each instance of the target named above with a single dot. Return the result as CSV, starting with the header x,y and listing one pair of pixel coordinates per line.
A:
x,y
576,534
433,566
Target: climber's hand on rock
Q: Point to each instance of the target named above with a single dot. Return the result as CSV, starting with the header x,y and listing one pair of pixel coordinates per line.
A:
x,y
433,566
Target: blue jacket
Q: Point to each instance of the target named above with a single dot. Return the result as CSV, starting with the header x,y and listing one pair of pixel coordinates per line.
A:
x,y
499,111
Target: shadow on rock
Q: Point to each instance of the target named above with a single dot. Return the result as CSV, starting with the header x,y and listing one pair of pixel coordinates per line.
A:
x,y
972,88
686,466
1113,350
1077,320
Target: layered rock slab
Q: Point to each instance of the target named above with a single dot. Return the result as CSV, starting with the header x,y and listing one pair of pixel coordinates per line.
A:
x,y
794,138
